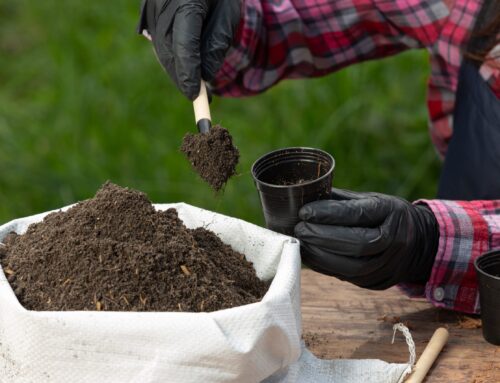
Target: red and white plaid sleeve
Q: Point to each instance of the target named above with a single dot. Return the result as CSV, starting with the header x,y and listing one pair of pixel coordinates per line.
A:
x,y
309,38
467,230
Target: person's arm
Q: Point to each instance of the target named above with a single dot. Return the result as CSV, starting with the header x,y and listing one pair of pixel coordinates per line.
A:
x,y
467,230
376,241
310,38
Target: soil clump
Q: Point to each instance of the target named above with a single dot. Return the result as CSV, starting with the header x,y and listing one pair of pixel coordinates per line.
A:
x,y
318,343
469,323
116,252
213,155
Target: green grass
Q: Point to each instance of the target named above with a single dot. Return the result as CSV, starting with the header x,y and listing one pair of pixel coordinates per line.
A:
x,y
83,100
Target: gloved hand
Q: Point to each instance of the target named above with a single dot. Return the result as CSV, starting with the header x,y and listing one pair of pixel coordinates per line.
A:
x,y
190,37
369,239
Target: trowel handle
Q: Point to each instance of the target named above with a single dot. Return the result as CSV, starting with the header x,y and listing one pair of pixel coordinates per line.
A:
x,y
202,110
429,355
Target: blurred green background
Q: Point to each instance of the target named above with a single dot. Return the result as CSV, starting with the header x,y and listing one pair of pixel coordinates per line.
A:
x,y
83,100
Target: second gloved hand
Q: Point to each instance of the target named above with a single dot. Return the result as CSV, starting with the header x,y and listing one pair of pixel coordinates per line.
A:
x,y
190,37
369,239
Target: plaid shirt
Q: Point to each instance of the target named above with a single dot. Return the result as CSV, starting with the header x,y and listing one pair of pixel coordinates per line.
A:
x,y
283,39
467,230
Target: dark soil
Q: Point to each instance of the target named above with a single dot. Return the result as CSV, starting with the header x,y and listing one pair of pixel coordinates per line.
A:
x,y
212,155
312,339
318,343
116,252
294,182
300,176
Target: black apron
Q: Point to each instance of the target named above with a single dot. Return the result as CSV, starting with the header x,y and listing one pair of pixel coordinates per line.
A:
x,y
471,169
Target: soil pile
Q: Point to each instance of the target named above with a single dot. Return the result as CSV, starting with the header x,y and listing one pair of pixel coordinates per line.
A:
x,y
116,252
212,155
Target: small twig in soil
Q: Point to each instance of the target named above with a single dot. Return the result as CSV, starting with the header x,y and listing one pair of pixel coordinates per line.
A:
x,y
9,271
185,270
110,300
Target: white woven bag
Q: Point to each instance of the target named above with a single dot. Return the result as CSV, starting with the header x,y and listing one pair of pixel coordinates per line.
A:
x,y
251,343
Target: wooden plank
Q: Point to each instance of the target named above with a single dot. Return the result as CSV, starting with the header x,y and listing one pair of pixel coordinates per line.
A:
x,y
346,322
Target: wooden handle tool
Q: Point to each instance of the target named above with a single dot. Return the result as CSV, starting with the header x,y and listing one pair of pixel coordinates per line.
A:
x,y
429,355
202,110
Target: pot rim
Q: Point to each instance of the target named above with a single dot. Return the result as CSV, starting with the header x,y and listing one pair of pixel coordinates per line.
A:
x,y
296,148
479,270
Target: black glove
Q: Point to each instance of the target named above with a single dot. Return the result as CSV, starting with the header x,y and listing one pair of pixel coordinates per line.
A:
x,y
190,37
369,239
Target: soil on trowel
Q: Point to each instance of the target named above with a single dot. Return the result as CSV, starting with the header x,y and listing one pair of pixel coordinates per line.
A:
x,y
213,155
116,252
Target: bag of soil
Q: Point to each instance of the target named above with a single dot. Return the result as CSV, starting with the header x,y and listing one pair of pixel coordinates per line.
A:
x,y
257,342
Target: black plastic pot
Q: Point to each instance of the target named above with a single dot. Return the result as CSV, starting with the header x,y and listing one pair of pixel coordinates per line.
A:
x,y
488,271
289,178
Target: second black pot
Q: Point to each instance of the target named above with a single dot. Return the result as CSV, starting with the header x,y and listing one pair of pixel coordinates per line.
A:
x,y
488,271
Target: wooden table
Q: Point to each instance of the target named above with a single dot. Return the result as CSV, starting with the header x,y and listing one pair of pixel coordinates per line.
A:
x,y
344,321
